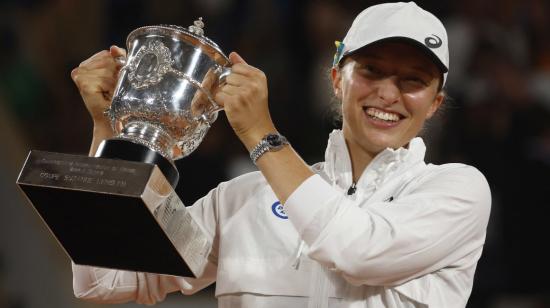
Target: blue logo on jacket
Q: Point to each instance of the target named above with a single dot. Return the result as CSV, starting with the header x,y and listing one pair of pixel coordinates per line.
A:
x,y
278,210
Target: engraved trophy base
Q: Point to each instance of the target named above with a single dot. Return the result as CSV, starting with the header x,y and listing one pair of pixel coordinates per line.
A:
x,y
115,214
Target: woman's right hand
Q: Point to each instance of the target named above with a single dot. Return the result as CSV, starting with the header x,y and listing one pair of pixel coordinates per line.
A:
x,y
96,79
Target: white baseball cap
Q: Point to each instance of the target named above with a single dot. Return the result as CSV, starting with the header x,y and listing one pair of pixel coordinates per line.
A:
x,y
401,20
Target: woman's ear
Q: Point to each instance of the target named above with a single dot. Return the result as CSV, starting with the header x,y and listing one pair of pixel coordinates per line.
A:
x,y
438,100
336,81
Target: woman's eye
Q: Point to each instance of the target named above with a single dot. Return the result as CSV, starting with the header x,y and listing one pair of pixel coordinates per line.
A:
x,y
373,69
416,80
370,70
413,83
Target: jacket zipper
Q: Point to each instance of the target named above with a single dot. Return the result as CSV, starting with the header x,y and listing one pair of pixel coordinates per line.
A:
x,y
352,189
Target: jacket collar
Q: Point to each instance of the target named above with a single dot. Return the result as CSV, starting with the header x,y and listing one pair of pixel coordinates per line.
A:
x,y
389,161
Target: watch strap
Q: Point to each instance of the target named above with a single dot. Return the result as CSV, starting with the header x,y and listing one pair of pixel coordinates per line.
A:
x,y
271,142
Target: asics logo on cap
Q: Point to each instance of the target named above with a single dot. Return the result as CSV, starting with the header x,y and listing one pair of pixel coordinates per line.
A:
x,y
433,41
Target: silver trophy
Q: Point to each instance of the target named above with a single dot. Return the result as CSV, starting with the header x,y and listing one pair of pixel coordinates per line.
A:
x,y
164,98
119,209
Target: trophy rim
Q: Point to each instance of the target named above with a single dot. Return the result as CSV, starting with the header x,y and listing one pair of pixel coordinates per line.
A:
x,y
203,42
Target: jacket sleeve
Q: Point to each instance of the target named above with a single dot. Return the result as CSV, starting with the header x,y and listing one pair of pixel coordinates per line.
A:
x,y
439,222
117,286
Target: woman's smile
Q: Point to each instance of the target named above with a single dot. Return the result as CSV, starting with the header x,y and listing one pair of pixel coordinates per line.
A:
x,y
382,118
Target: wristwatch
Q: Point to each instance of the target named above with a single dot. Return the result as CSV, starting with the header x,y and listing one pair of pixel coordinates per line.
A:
x,y
270,142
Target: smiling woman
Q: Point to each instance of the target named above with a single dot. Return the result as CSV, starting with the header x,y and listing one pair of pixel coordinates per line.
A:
x,y
388,90
371,226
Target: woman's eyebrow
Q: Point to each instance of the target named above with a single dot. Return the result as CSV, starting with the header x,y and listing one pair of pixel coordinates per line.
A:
x,y
422,69
368,56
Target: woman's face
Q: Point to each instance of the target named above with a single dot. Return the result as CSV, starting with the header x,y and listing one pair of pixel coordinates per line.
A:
x,y
387,91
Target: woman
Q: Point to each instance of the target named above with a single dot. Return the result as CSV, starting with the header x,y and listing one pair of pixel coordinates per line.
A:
x,y
372,226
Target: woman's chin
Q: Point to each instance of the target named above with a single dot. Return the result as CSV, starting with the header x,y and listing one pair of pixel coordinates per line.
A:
x,y
380,143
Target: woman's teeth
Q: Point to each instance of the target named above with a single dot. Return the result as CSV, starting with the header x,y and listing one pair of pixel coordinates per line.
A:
x,y
381,115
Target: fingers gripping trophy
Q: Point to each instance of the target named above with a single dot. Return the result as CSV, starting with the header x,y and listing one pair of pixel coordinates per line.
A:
x,y
114,209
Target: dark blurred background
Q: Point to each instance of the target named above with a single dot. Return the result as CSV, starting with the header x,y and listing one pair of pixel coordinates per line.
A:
x,y
497,118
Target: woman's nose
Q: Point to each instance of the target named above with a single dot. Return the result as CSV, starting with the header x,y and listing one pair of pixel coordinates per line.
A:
x,y
388,90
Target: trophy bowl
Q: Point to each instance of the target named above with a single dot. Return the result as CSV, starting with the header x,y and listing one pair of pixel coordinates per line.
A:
x,y
163,103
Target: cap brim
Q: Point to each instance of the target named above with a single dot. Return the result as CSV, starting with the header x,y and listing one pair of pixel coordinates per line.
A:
x,y
426,50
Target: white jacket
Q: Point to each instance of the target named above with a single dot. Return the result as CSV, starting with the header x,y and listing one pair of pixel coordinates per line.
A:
x,y
410,236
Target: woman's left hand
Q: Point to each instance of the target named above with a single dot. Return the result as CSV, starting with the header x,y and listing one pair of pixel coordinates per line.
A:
x,y
244,98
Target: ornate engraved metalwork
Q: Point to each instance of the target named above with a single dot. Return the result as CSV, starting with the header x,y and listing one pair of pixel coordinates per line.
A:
x,y
151,135
192,141
197,27
149,65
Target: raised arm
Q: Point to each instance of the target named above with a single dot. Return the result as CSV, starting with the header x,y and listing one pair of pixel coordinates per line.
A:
x,y
244,98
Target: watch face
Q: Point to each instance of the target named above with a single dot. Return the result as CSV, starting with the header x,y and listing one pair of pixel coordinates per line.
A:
x,y
274,140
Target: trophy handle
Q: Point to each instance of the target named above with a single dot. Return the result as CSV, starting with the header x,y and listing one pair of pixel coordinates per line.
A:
x,y
108,113
121,60
225,71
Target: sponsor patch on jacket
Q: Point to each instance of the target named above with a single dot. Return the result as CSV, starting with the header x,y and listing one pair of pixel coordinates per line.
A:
x,y
278,210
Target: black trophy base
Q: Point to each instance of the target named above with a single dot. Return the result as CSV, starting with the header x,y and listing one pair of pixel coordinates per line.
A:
x,y
104,212
127,150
